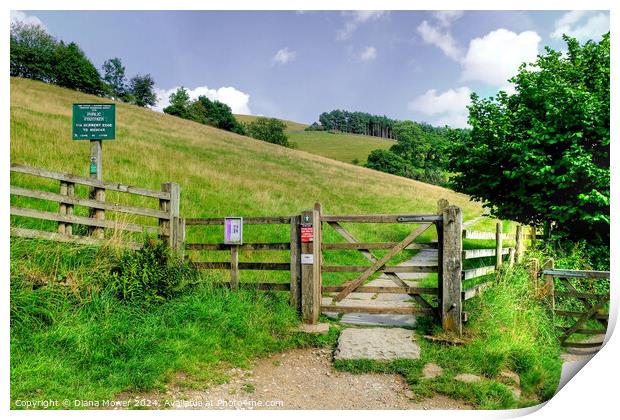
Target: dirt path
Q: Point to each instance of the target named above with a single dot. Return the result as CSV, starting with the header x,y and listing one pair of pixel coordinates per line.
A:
x,y
304,379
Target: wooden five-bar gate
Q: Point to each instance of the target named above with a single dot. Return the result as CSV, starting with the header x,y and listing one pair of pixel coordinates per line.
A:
x,y
306,266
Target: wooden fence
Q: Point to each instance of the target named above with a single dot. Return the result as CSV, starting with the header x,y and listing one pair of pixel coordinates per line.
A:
x,y
577,307
169,226
234,266
501,253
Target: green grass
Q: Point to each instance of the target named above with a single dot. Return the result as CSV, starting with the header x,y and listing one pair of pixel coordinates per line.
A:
x,y
348,148
79,342
508,329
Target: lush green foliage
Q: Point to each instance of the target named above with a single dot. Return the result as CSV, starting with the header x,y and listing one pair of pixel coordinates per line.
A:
x,y
268,129
32,52
541,155
72,338
142,90
37,55
508,329
114,78
417,154
203,110
75,71
355,123
150,275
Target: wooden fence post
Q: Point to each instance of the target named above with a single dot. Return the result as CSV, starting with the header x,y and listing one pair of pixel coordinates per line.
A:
x,y
452,266
533,236
548,282
234,267
442,203
511,257
96,155
295,297
62,210
311,266
498,245
519,244
169,227
534,268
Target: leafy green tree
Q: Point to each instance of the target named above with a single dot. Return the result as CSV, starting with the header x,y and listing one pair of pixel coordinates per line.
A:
x,y
73,70
214,113
268,129
179,103
386,161
142,90
114,78
541,155
32,52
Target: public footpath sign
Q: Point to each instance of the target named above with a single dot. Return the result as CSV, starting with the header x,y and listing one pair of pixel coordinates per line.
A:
x,y
94,121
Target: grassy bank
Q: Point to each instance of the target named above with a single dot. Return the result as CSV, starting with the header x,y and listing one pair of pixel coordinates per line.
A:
x,y
349,148
73,338
508,330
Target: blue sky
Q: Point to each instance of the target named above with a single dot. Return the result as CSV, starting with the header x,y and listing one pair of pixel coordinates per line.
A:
x,y
419,65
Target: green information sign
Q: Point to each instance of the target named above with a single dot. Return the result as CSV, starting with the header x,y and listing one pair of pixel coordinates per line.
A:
x,y
94,121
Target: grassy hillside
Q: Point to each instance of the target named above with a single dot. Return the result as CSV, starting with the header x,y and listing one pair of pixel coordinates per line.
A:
x,y
344,147
339,146
290,125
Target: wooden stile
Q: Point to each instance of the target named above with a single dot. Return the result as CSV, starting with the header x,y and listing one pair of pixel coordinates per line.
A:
x,y
498,245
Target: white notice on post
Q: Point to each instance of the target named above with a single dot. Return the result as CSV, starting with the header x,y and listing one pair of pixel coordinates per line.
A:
x,y
307,258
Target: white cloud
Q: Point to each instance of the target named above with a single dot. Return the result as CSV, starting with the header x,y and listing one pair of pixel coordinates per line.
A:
x,y
440,38
368,54
237,100
581,24
284,56
449,107
446,17
496,57
21,17
357,18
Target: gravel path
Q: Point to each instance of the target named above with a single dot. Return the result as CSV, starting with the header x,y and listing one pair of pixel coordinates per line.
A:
x,y
304,379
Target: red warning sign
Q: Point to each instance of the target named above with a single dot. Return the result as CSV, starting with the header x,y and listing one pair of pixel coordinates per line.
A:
x,y
307,233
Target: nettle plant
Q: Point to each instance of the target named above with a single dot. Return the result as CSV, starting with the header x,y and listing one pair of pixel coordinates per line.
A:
x,y
150,275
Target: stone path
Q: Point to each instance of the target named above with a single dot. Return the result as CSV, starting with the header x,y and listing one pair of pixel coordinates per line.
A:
x,y
376,344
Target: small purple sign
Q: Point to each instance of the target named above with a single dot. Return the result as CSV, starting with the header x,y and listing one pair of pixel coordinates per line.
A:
x,y
233,230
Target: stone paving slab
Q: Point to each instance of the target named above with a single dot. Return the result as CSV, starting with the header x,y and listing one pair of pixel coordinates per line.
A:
x,y
376,344
390,320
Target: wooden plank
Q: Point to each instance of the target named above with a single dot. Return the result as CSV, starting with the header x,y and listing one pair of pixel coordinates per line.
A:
x,y
62,210
498,245
375,245
279,246
226,265
352,285
469,254
110,224
450,307
584,345
589,314
53,236
383,218
478,272
255,286
259,220
575,314
387,290
234,268
476,290
295,280
110,186
375,310
67,199
580,295
582,274
474,234
383,269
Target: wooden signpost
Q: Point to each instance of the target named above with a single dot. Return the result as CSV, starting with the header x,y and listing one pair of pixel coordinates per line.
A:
x,y
95,122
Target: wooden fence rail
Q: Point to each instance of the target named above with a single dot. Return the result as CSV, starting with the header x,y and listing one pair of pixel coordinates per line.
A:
x,y
594,306
169,222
